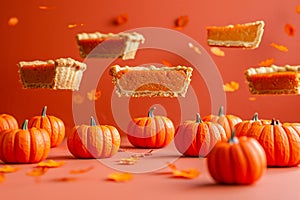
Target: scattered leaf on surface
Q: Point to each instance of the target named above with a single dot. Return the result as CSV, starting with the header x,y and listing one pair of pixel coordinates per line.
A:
x,y
2,177
217,51
50,164
121,19
141,155
267,62
39,171
66,179
74,25
231,86
13,21
252,98
94,95
189,174
8,169
181,22
196,49
298,9
289,30
279,47
128,161
119,177
45,7
81,171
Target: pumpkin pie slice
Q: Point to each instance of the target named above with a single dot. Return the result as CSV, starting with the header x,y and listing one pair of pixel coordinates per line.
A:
x,y
62,73
100,45
274,79
142,81
247,35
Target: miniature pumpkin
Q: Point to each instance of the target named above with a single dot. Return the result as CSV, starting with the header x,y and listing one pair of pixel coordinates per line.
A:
x,y
281,142
151,131
197,138
52,124
8,122
93,141
242,127
237,161
227,121
24,145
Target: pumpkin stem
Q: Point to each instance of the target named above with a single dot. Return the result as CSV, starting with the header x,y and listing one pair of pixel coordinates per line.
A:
x,y
44,111
232,138
25,125
198,118
255,117
221,111
92,123
274,122
150,113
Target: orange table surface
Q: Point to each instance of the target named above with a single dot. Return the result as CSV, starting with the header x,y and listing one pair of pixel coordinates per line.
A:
x,y
59,183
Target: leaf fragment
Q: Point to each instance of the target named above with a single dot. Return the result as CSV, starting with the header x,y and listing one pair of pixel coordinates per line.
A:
x,y
279,47
188,174
13,21
50,164
8,169
231,86
217,51
120,177
81,171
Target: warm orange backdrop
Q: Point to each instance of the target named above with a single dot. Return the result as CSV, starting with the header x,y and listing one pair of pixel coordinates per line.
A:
x,y
44,34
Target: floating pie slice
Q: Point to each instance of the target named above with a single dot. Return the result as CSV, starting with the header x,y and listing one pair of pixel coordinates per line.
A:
x,y
246,35
151,81
274,79
62,73
100,45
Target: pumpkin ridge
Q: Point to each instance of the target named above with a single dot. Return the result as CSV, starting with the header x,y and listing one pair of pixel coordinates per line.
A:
x,y
159,141
249,163
290,132
9,145
280,137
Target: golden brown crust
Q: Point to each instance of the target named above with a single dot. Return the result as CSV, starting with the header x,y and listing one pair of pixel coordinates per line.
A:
x,y
141,81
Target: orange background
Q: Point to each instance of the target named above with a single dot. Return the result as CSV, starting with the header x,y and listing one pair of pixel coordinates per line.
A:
x,y
44,34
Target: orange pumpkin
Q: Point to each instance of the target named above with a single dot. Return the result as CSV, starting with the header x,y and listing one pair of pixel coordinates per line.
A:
x,y
8,122
238,161
281,142
227,121
24,145
52,124
242,127
197,138
151,131
93,141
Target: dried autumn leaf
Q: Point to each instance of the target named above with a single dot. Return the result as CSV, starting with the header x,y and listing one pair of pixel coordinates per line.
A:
x,y
181,21
166,63
119,177
39,171
45,7
231,86
289,30
2,177
252,98
267,62
279,47
128,161
8,169
94,95
217,51
50,164
74,25
121,19
196,49
81,171
298,9
189,174
65,179
13,21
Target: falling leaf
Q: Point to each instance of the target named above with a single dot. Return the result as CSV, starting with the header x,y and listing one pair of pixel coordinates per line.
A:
x,y
46,7
8,169
121,19
128,161
166,63
298,9
66,179
50,164
196,49
13,21
39,171
2,177
189,174
279,47
252,98
120,177
181,22
231,86
94,95
217,51
74,25
81,171
267,62
289,30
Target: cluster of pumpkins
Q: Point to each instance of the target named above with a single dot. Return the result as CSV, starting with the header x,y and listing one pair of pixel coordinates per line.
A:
x,y
238,151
